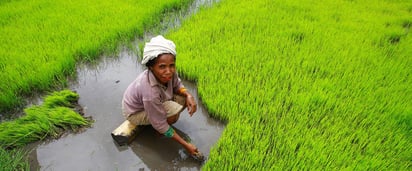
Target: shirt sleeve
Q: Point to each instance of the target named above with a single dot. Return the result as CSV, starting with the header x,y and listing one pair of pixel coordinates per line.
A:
x,y
130,101
156,114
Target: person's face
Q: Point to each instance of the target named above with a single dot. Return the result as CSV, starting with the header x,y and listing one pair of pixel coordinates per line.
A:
x,y
164,68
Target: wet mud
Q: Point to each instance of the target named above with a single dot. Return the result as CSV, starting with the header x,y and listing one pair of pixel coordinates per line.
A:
x,y
101,87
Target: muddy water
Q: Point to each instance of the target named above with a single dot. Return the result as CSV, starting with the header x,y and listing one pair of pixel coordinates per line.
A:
x,y
101,88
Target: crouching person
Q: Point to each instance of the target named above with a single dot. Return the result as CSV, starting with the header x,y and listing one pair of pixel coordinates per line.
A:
x,y
157,96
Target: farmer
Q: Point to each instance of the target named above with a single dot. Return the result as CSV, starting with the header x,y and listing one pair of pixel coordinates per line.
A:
x,y
157,96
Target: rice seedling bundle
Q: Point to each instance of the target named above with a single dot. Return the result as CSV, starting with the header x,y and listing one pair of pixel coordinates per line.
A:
x,y
304,84
11,160
41,121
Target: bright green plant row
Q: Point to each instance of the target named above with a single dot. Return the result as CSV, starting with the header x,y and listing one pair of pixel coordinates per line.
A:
x,y
322,85
42,40
41,121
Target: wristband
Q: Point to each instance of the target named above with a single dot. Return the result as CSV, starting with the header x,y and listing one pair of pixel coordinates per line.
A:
x,y
169,133
182,90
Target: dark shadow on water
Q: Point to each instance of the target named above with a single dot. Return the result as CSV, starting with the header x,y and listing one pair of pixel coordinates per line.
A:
x,y
101,89
161,153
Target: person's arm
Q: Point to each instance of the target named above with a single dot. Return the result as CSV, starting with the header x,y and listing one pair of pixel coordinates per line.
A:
x,y
154,109
190,100
188,146
180,89
156,114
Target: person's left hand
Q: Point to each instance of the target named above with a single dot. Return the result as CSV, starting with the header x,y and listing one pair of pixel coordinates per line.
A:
x,y
191,104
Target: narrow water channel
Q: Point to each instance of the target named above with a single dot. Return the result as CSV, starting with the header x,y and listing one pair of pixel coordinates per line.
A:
x,y
101,88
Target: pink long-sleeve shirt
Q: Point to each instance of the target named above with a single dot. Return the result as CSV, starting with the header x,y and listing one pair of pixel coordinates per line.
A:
x,y
145,93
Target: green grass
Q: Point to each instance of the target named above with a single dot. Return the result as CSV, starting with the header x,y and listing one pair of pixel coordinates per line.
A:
x,y
323,85
41,41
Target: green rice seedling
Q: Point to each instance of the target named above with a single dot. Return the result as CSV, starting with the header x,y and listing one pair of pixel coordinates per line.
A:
x,y
64,98
304,85
42,40
67,119
47,120
11,160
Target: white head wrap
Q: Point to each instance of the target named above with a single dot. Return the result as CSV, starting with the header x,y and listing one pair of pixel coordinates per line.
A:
x,y
157,45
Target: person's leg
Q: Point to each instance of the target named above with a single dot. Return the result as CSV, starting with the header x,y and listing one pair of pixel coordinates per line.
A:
x,y
139,118
179,99
128,130
174,108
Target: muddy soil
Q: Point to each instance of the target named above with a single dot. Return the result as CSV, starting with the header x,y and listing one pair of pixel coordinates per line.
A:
x,y
101,88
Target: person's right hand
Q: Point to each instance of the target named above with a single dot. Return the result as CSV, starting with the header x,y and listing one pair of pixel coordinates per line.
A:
x,y
195,153
191,149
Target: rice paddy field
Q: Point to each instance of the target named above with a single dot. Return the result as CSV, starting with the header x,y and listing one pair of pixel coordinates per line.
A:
x,y
40,44
42,40
303,85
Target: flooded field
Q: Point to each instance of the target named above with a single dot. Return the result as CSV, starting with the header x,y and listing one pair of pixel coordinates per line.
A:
x,y
101,88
